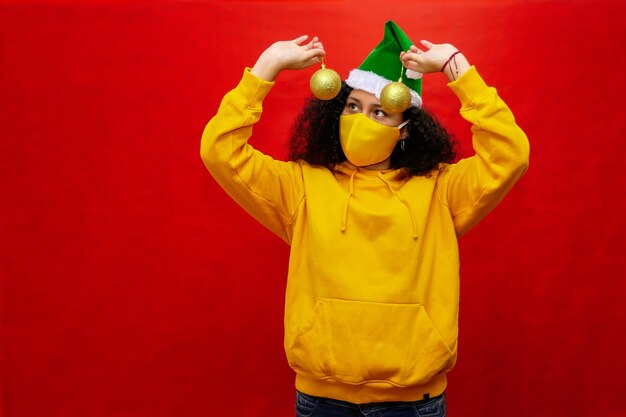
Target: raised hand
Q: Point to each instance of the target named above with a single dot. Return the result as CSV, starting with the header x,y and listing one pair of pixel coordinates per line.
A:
x,y
293,55
435,58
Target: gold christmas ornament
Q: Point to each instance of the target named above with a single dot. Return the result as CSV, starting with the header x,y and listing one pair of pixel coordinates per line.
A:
x,y
395,97
325,83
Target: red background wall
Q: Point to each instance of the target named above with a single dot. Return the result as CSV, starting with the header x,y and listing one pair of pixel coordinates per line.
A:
x,y
132,286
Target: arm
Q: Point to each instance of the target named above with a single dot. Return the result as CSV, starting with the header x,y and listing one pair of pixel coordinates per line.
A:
x,y
472,187
268,189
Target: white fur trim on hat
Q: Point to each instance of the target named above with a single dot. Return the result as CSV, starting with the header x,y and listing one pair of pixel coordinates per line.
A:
x,y
374,84
414,75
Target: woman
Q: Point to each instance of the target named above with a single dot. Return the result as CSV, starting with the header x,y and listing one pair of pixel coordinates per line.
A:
x,y
372,208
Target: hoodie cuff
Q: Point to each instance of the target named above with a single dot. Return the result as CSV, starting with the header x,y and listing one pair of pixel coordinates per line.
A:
x,y
470,88
252,89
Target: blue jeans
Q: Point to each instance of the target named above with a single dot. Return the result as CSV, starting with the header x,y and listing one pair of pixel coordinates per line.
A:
x,y
310,406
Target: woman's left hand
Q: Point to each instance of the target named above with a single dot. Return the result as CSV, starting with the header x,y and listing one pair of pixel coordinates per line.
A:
x,y
433,58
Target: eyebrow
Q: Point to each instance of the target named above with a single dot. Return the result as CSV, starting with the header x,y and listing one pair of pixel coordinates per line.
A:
x,y
378,106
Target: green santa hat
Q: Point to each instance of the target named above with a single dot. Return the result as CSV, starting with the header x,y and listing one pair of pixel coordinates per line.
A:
x,y
383,66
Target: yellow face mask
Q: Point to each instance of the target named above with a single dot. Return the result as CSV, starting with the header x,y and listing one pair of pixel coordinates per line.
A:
x,y
366,142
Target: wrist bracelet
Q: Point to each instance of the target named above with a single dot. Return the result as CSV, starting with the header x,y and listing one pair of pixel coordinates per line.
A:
x,y
449,59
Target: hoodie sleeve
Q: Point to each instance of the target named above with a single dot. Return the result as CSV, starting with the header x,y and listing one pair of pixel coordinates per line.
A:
x,y
472,187
268,189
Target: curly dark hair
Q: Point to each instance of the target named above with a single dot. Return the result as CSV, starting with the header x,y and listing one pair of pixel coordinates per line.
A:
x,y
315,138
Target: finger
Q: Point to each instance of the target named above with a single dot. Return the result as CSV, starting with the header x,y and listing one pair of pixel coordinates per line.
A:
x,y
300,39
314,43
313,53
427,44
415,50
413,66
316,59
410,56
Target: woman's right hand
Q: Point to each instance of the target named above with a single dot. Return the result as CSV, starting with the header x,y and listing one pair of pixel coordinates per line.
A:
x,y
284,55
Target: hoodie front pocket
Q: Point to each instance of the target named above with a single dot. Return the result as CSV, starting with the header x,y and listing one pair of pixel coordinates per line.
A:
x,y
357,342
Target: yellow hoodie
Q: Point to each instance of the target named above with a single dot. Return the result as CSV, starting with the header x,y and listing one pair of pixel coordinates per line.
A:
x,y
371,309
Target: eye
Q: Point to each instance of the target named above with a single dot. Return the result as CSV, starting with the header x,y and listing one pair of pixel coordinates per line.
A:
x,y
351,107
380,114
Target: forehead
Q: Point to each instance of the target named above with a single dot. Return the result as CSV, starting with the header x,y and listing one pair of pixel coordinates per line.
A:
x,y
364,97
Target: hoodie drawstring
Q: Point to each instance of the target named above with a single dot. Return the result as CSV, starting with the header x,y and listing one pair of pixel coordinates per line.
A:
x,y
344,219
403,201
346,207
